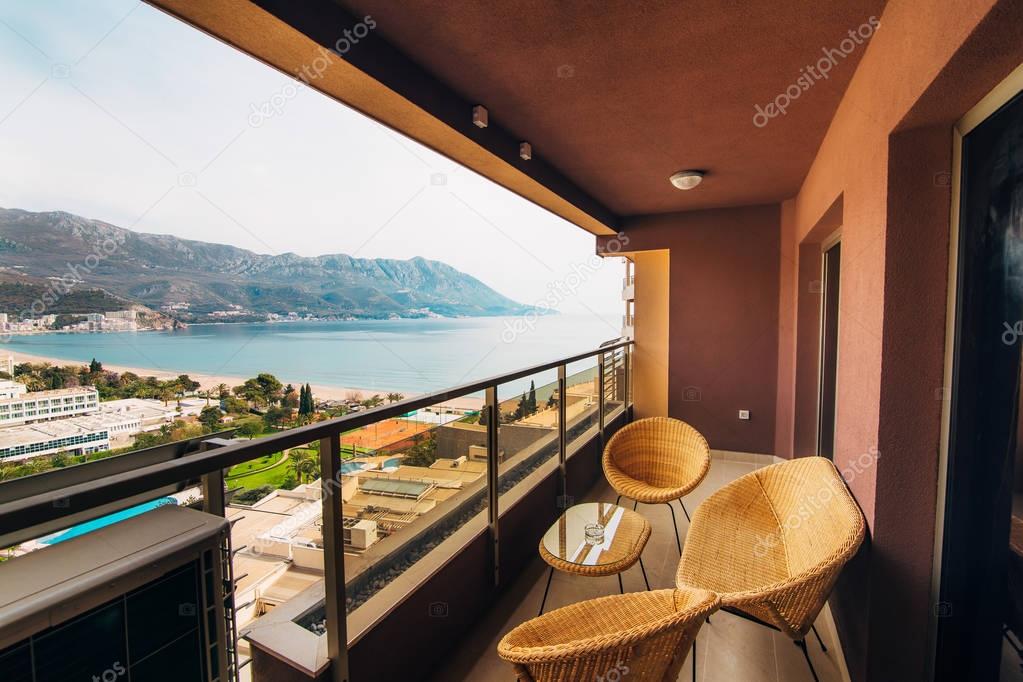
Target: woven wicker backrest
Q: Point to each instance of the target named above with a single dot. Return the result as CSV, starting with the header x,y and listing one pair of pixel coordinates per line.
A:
x,y
641,636
817,516
734,543
659,451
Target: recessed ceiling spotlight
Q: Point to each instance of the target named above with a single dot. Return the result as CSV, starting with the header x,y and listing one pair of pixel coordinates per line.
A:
x,y
480,116
525,151
687,179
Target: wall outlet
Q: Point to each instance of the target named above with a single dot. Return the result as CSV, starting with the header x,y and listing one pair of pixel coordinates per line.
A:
x,y
743,414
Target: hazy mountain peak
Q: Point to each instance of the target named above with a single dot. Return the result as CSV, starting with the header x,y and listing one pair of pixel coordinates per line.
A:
x,y
162,270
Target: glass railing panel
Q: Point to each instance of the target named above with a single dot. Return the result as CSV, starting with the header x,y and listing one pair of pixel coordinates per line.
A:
x,y
275,509
407,484
614,383
582,400
527,434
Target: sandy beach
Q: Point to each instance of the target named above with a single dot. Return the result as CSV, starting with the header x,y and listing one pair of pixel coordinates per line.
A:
x,y
211,381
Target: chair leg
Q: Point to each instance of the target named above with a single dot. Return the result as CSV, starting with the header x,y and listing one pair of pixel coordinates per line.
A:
x,y
643,568
619,499
621,587
806,654
694,660
635,503
686,511
819,640
677,541
547,589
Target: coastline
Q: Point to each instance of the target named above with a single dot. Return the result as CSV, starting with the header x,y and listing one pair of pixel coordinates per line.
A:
x,y
211,381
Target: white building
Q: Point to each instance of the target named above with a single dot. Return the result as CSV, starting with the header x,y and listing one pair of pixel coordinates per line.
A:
x,y
73,436
40,406
7,363
151,414
12,390
24,442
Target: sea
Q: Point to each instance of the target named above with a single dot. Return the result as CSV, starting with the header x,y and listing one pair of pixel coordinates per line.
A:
x,y
403,355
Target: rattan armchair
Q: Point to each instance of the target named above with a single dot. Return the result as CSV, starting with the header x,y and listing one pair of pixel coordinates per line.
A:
x,y
656,461
641,636
772,544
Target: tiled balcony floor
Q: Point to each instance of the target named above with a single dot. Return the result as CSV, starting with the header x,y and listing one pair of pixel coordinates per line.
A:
x,y
729,649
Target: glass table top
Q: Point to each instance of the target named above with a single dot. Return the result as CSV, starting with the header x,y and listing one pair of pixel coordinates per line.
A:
x,y
614,534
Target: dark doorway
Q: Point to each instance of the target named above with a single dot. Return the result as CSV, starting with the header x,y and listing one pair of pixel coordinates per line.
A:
x,y
980,606
829,351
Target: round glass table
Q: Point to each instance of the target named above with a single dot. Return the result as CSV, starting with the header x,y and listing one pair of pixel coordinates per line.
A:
x,y
595,539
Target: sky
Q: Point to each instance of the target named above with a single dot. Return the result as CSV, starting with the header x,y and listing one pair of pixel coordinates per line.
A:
x,y
113,110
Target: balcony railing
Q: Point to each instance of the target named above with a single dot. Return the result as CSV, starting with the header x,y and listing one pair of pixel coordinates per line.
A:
x,y
382,507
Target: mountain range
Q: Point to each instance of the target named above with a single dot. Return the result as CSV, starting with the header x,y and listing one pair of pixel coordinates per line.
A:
x,y
193,279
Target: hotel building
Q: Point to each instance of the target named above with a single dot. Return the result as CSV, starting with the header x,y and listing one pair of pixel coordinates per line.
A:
x,y
17,406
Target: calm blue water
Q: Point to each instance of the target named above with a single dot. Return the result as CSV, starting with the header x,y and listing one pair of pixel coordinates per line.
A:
x,y
104,521
412,356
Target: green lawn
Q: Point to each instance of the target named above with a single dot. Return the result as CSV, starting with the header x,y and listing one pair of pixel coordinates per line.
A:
x,y
274,476
261,463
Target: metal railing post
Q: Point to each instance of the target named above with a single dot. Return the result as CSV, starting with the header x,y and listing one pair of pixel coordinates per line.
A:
x,y
562,438
626,378
213,499
334,557
602,397
493,479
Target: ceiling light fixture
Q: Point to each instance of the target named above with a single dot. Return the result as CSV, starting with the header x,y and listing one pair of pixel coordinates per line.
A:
x,y
525,151
687,179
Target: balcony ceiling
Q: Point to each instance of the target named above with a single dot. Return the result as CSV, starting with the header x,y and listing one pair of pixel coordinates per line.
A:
x,y
620,95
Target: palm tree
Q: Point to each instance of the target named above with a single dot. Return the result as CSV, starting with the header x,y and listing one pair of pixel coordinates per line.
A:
x,y
395,397
304,465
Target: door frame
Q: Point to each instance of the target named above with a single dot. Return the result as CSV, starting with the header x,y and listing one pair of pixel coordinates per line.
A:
x,y
832,240
1004,92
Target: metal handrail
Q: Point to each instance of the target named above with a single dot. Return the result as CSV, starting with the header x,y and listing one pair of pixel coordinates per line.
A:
x,y
72,497
65,501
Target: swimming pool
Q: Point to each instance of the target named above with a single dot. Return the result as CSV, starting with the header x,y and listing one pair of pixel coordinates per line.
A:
x,y
392,462
351,467
104,521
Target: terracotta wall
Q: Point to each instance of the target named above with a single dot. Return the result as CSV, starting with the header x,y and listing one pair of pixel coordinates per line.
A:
x,y
723,318
886,158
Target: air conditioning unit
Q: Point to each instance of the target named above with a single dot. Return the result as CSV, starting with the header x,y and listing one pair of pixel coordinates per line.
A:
x,y
143,600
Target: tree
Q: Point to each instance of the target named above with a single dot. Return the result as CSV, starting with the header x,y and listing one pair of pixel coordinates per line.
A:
x,y
531,402
263,391
235,405
291,398
275,416
306,406
305,465
186,384
552,402
210,417
223,390
395,397
95,367
250,429
423,453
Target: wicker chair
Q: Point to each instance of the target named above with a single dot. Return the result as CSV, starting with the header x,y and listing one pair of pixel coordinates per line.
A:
x,y
772,544
656,461
643,636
